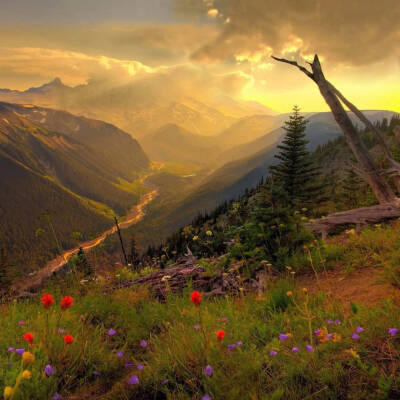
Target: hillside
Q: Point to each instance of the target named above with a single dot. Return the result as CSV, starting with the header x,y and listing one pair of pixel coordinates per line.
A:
x,y
172,143
80,183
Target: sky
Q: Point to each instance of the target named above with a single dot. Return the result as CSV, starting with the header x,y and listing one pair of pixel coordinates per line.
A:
x,y
210,46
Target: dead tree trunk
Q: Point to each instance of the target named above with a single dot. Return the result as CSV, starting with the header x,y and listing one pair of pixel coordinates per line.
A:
x,y
366,167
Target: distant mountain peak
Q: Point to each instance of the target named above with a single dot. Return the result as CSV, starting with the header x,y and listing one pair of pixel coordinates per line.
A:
x,y
55,84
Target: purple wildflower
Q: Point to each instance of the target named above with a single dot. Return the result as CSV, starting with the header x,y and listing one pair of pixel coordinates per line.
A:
x,y
11,349
355,336
392,331
57,396
295,350
273,353
309,349
282,336
139,367
208,370
96,373
337,322
112,332
206,397
197,327
317,332
133,380
239,343
329,336
48,370
231,347
165,382
224,319
143,343
330,322
61,330
128,364
120,354
21,323
20,351
359,329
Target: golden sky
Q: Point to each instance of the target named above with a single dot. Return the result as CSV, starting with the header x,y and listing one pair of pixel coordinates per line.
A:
x,y
211,46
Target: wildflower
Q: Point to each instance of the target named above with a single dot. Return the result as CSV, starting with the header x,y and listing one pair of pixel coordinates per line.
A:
x,y
11,349
197,327
282,336
208,370
317,332
330,322
128,364
195,298
206,397
353,353
48,370
143,343
392,331
133,380
337,322
8,391
239,343
28,358
120,354
111,332
273,353
329,336
20,323
165,382
28,337
68,339
289,293
27,374
20,351
359,329
355,336
57,396
96,373
47,300
305,290
220,335
295,350
66,302
10,364
61,330
195,238
224,319
165,278
309,349
139,367
231,347
208,233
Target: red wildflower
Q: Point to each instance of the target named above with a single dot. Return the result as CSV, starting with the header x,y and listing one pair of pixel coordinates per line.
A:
x,y
195,297
68,339
47,300
220,335
28,337
66,302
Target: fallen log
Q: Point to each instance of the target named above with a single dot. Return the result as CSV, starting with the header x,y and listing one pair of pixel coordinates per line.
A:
x,y
359,217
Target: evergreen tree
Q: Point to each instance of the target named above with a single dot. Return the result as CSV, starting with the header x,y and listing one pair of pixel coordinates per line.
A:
x,y
296,171
351,186
83,264
133,257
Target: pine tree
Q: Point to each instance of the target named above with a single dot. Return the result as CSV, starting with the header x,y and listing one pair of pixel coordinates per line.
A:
x,y
133,256
296,171
351,186
83,264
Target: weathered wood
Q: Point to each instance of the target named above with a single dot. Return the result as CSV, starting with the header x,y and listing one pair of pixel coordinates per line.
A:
x,y
372,175
359,217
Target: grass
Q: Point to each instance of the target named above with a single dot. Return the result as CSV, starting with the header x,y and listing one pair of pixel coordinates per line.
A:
x,y
251,362
181,169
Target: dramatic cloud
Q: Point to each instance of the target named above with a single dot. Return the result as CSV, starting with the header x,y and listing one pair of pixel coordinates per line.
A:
x,y
344,32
